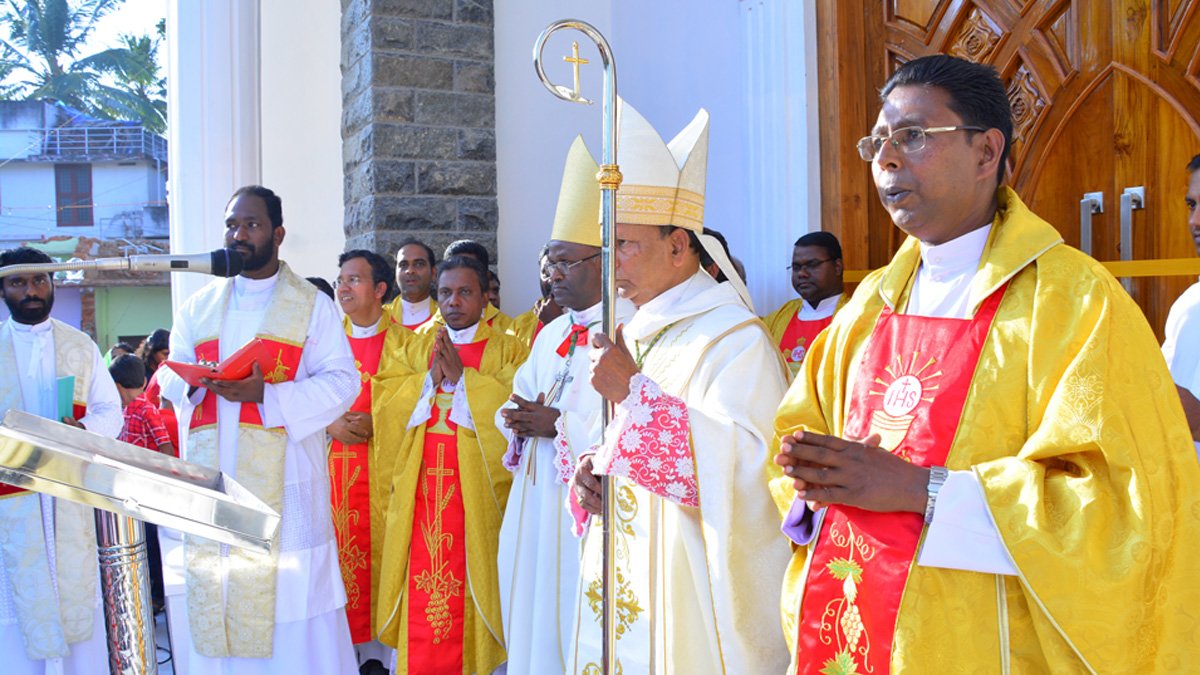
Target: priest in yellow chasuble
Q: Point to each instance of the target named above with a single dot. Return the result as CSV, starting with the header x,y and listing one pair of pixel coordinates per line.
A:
x,y
435,399
359,469
988,467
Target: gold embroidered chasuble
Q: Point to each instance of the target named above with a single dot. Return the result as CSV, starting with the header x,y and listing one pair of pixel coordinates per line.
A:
x,y
482,481
231,598
1078,439
50,625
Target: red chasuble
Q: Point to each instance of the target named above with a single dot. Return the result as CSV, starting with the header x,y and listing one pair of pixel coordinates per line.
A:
x,y
437,563
798,337
350,489
910,390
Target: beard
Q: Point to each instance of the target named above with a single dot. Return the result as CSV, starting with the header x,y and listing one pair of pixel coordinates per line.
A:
x,y
28,310
253,258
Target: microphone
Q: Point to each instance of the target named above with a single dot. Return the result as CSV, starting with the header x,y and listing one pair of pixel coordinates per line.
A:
x,y
221,262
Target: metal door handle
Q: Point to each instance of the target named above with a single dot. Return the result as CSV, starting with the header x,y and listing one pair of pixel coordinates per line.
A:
x,y
1132,199
1092,203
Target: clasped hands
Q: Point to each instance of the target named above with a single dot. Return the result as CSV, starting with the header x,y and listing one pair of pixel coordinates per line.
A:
x,y
446,365
831,470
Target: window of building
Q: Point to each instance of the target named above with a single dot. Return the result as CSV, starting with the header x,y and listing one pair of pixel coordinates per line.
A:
x,y
73,194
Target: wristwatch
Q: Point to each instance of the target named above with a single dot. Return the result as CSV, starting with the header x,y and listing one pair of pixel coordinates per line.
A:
x,y
937,477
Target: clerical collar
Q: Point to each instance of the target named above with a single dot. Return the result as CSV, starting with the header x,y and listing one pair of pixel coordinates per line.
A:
x,y
40,327
357,331
956,257
586,317
823,309
414,312
462,337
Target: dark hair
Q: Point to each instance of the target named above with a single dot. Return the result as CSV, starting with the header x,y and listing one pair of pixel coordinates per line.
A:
x,y
321,285
417,242
23,255
706,259
122,345
976,93
381,271
471,248
1194,164
825,240
455,262
157,341
273,202
128,371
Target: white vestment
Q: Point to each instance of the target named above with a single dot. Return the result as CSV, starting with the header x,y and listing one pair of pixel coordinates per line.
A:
x,y
311,632
699,560
1181,345
36,376
539,556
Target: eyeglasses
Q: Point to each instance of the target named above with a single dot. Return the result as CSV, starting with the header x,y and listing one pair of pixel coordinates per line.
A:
x,y
563,266
907,140
353,281
810,266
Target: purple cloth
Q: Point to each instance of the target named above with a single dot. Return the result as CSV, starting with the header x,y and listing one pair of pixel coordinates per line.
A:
x,y
801,524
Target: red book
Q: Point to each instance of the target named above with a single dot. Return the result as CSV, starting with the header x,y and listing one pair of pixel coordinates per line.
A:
x,y
238,366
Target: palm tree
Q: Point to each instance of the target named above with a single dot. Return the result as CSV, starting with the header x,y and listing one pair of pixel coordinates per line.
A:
x,y
44,57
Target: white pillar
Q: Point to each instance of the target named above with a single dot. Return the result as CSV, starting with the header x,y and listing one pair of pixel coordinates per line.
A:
x,y
783,140
213,116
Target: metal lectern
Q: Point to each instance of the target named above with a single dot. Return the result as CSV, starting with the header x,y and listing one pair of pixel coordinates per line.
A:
x,y
127,485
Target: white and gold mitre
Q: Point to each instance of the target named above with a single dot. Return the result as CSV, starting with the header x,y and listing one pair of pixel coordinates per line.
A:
x,y
577,218
662,184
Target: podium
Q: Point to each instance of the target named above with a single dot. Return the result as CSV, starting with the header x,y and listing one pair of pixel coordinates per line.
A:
x,y
127,485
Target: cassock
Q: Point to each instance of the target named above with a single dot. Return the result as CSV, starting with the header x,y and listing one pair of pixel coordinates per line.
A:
x,y
796,324
1065,537
359,483
539,555
1181,346
250,612
698,560
51,618
438,600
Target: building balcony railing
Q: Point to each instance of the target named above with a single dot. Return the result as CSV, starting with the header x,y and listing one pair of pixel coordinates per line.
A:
x,y
89,143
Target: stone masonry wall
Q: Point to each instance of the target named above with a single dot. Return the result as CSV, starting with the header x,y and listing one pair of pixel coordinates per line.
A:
x,y
418,123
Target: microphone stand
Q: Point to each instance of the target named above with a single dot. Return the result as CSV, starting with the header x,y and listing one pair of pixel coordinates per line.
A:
x,y
98,265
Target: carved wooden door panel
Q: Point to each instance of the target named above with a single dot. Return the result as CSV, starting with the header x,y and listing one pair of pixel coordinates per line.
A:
x,y
1105,96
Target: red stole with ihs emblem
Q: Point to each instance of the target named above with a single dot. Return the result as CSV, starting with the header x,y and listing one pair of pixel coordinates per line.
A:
x,y
437,560
798,337
910,390
350,485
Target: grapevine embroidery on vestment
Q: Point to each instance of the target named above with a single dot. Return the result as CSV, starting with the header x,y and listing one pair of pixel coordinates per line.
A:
x,y
841,620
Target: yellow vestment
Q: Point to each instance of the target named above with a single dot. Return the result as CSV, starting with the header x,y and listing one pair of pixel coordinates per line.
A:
x,y
1074,430
483,479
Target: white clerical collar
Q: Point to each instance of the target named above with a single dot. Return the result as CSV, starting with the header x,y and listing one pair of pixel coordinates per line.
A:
x,y
956,257
246,286
30,329
462,337
357,331
414,312
587,316
824,308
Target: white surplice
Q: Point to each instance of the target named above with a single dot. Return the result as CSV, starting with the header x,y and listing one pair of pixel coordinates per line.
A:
x,y
539,556
37,377
311,632
700,583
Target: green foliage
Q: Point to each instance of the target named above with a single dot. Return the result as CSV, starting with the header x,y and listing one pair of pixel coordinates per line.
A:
x,y
43,59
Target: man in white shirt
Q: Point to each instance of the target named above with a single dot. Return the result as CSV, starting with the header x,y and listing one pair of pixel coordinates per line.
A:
x,y
51,619
248,612
981,433
1181,346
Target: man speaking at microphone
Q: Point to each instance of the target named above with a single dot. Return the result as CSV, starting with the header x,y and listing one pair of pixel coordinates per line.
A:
x,y
251,612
